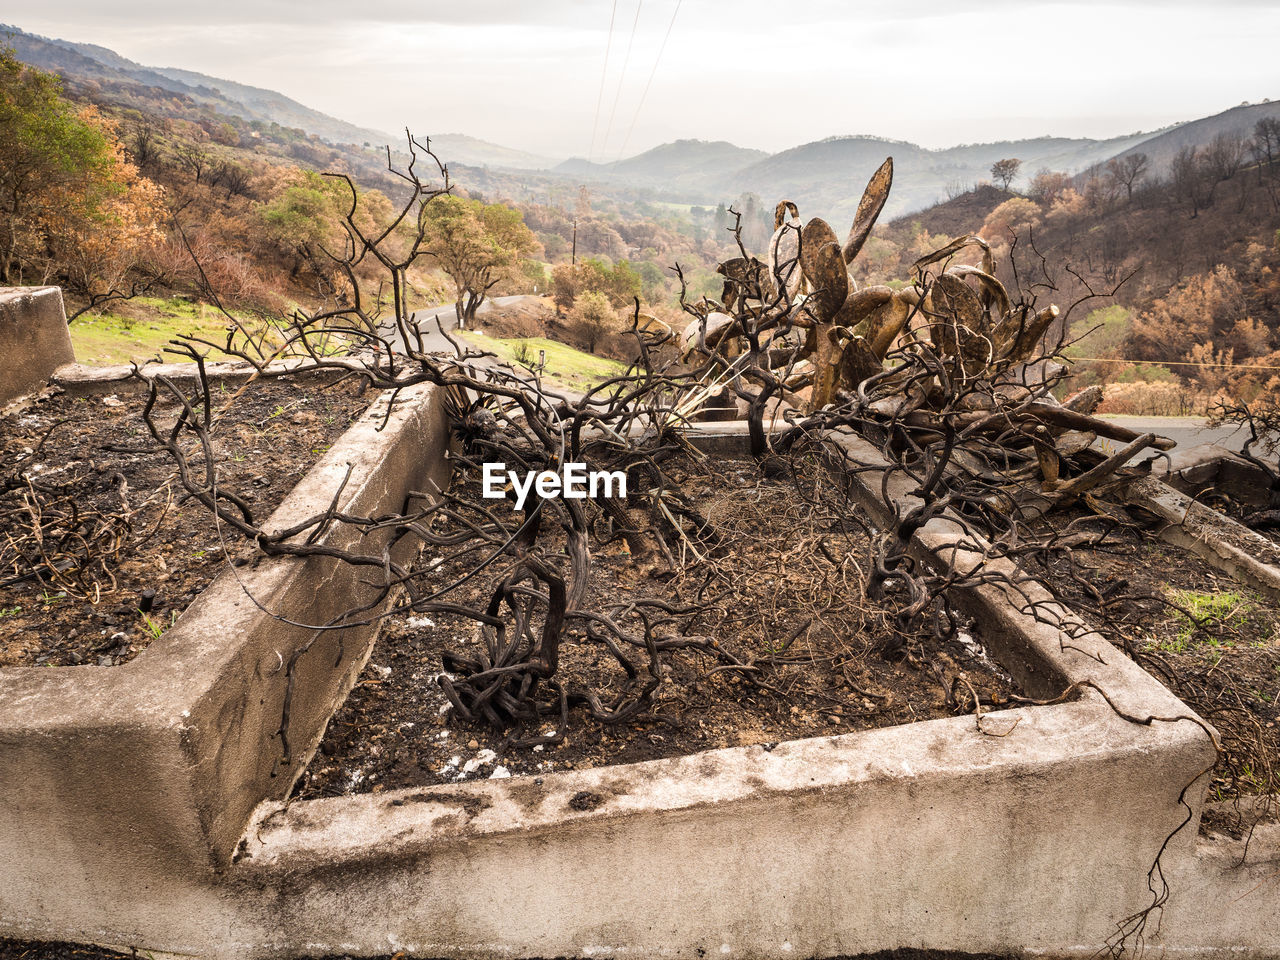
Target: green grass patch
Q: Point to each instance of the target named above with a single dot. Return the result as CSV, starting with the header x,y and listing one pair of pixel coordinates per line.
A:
x,y
1230,609
565,365
141,328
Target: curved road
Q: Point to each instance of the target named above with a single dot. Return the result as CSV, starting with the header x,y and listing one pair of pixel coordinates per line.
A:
x,y
433,341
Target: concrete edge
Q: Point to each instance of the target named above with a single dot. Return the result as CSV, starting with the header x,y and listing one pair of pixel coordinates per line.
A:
x,y
184,737
80,380
34,339
1243,554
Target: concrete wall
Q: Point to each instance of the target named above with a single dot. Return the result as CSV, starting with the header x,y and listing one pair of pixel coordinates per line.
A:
x,y
79,380
1246,555
122,784
1032,834
933,834
34,339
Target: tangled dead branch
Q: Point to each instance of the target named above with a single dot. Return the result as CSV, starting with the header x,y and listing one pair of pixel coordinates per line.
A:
x,y
950,376
64,529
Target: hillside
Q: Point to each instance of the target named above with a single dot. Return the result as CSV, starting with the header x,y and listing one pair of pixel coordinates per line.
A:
x,y
692,168
826,177
94,71
961,214
78,62
458,148
1236,122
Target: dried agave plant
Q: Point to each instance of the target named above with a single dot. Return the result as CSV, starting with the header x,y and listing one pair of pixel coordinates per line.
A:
x,y
952,351
804,285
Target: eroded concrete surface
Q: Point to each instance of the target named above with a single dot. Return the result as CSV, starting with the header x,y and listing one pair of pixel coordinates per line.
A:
x,y
34,339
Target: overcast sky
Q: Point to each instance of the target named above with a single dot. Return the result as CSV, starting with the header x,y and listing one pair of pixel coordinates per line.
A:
x,y
528,73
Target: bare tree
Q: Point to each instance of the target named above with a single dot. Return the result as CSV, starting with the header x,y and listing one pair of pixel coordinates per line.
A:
x,y
1266,140
1127,169
235,178
1265,147
143,143
1189,180
1224,156
192,157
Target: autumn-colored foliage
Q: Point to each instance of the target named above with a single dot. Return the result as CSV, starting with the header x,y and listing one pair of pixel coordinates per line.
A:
x,y
477,245
77,211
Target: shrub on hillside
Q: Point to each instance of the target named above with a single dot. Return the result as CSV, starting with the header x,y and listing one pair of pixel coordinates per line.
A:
x,y
593,318
1145,399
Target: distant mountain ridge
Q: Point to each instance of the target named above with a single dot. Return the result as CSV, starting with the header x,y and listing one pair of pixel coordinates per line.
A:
x,y
1240,120
90,61
825,177
677,166
474,152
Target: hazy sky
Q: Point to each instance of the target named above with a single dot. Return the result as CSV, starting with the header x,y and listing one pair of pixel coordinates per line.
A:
x,y
527,73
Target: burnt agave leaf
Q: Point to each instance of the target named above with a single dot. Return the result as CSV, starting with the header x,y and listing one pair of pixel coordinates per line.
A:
x,y
823,268
826,364
716,326
993,291
860,305
885,324
873,200
744,280
784,211
858,362
956,245
957,323
1016,336
784,257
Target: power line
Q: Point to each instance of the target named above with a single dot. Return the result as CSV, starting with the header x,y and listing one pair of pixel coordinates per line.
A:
x,y
608,44
1181,363
649,82
622,76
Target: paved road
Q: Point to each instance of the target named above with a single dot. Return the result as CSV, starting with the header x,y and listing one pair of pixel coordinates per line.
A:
x,y
433,341
1187,431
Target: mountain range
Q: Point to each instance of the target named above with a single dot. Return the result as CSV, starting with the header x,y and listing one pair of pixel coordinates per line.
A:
x,y
825,177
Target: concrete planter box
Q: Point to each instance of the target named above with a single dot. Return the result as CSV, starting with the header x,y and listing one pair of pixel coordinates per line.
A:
x,y
146,813
122,783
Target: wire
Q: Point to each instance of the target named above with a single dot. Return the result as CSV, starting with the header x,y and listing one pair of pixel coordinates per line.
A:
x,y
649,83
622,76
1181,363
608,45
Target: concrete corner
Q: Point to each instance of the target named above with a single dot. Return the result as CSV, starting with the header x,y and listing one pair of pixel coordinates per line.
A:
x,y
34,339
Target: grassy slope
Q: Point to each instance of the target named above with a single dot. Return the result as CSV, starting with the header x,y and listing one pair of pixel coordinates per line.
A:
x,y
141,328
565,365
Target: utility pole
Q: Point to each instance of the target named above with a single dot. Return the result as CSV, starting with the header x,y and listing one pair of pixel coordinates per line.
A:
x,y
574,259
